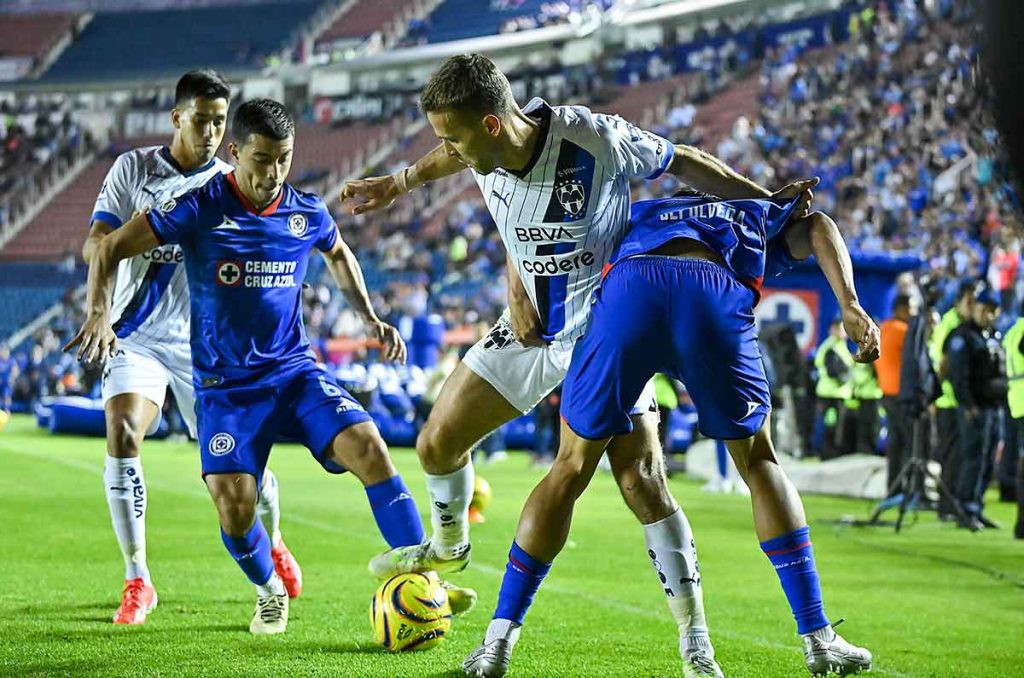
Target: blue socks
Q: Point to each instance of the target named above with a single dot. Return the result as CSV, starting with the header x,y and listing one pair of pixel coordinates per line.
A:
x,y
252,553
793,558
523,576
395,512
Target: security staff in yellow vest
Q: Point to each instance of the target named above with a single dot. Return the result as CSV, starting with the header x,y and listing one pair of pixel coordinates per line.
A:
x,y
859,422
834,366
946,449
978,376
1013,346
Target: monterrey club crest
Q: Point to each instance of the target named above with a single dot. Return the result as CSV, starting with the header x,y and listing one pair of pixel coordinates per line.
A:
x,y
572,197
298,225
229,273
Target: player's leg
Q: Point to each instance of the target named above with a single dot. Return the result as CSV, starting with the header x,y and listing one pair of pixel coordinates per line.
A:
x,y
717,357
639,469
133,388
268,510
610,366
236,430
497,381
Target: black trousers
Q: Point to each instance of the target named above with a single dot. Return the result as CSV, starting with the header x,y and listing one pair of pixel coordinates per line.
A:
x,y
1006,471
978,439
831,412
946,451
901,437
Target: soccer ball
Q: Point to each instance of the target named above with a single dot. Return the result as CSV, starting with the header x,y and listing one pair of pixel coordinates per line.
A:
x,y
481,494
410,612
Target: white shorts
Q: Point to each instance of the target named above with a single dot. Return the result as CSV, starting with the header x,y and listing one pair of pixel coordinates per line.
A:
x,y
148,372
524,375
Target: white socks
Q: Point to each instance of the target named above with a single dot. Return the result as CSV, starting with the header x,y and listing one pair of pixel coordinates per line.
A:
x,y
126,496
673,554
268,507
450,496
502,628
273,587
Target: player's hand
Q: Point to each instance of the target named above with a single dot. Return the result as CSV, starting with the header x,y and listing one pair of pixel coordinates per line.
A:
x,y
863,331
798,189
95,341
375,192
391,343
526,325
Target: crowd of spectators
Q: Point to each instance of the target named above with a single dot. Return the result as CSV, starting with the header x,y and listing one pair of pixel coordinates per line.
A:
x,y
36,136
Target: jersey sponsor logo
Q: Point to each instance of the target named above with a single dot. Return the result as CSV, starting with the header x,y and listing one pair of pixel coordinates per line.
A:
x,y
502,198
572,197
165,255
559,264
272,273
227,224
229,273
221,444
542,234
298,224
569,171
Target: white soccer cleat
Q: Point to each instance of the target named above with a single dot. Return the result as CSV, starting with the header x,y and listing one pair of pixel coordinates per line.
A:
x,y
699,665
417,558
271,615
699,658
825,652
491,659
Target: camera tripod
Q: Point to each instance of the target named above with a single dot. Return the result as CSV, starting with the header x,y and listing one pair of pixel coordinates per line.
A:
x,y
910,482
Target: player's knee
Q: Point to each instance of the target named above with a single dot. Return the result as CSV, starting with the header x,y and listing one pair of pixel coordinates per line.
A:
x,y
645,490
234,495
363,452
435,443
125,436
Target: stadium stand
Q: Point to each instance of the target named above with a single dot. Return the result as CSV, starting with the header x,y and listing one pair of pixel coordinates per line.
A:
x,y
365,17
140,44
33,35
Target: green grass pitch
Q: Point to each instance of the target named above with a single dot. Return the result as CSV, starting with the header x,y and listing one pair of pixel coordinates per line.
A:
x,y
933,601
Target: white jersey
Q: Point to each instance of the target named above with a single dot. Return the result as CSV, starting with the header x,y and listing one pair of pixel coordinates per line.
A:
x,y
151,302
566,212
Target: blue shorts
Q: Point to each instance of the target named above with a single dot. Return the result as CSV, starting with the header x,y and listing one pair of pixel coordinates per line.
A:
x,y
237,426
688,318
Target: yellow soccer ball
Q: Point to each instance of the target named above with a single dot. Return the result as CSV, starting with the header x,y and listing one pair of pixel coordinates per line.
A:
x,y
410,612
481,494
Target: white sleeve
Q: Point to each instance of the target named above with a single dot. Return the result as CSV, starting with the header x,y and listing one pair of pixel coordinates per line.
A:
x,y
114,202
635,152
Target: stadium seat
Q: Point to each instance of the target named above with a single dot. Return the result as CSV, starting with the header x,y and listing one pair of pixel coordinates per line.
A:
x,y
117,46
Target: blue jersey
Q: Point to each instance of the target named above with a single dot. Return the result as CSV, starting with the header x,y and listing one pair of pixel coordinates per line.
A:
x,y
245,270
743,232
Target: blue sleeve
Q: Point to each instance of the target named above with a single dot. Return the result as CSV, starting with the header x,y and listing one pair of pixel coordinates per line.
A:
x,y
778,259
176,219
327,231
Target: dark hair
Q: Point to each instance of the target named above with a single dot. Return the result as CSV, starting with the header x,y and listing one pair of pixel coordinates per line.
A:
x,y
901,301
967,288
468,82
265,117
202,83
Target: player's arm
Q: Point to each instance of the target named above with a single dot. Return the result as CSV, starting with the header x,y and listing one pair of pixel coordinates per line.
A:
x,y
704,172
98,229
526,324
379,192
348,275
96,338
819,235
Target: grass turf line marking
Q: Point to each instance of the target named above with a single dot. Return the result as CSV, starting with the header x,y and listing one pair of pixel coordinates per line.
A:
x,y
609,603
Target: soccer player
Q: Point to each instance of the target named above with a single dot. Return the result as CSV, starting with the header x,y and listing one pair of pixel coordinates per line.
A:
x,y
246,238
150,314
679,298
556,181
